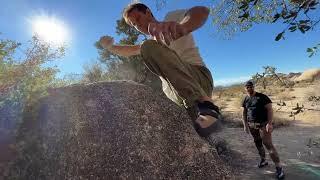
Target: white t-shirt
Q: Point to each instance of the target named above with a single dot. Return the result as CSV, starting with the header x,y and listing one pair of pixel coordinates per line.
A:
x,y
185,46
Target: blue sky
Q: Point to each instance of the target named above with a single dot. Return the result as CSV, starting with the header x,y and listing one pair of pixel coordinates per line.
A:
x,y
229,60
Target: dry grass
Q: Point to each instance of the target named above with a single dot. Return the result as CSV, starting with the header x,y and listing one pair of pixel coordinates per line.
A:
x,y
237,102
291,89
230,92
285,95
301,84
235,120
280,120
274,91
309,117
314,91
230,100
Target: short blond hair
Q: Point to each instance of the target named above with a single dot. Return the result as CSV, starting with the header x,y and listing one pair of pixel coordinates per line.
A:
x,y
135,6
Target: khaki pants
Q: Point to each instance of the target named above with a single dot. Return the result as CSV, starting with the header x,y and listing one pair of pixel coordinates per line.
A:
x,y
185,83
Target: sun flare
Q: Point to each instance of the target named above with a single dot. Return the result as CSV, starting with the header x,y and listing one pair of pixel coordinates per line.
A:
x,y
50,29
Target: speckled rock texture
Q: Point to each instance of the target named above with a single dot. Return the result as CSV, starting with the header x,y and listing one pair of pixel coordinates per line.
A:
x,y
111,130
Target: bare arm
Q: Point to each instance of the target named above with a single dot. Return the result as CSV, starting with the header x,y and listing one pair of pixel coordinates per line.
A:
x,y
244,118
122,50
195,18
125,50
270,112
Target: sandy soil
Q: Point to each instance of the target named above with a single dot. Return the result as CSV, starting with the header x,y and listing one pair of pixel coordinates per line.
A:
x,y
297,145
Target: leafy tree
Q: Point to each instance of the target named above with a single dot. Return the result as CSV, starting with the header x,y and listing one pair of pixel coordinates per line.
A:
x,y
229,18
68,79
295,14
23,78
93,72
232,16
26,76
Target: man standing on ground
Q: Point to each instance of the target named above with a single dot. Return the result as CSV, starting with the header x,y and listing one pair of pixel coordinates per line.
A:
x,y
257,119
172,55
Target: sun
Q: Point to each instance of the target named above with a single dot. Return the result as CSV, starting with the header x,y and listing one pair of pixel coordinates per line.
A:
x,y
50,29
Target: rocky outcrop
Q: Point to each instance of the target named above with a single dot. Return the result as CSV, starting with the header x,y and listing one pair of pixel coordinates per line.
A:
x,y
111,130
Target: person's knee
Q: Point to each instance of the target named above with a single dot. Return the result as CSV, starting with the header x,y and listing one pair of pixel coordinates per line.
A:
x,y
269,146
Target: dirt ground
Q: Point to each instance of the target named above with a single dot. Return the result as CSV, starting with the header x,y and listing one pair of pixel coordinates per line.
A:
x,y
297,142
298,147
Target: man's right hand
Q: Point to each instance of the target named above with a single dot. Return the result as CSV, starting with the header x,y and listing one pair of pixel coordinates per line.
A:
x,y
106,42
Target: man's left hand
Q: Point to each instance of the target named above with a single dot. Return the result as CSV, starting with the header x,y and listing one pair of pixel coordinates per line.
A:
x,y
269,127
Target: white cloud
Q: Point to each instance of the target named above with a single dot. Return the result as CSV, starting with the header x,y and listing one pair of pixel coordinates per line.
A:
x,y
230,81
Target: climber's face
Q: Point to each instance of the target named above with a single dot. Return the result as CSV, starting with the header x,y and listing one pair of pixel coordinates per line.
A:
x,y
140,20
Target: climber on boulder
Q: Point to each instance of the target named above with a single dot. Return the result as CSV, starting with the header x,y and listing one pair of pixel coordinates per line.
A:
x,y
171,54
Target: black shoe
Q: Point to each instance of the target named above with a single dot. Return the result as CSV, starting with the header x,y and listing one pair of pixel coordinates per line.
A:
x,y
262,163
279,173
208,108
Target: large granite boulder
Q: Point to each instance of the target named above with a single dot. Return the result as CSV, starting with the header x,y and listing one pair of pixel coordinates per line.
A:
x,y
111,130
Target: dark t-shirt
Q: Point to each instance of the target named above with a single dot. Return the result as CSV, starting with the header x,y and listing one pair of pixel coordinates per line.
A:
x,y
255,106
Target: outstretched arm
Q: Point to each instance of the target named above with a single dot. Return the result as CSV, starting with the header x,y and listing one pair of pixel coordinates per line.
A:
x,y
125,50
244,120
122,50
195,18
